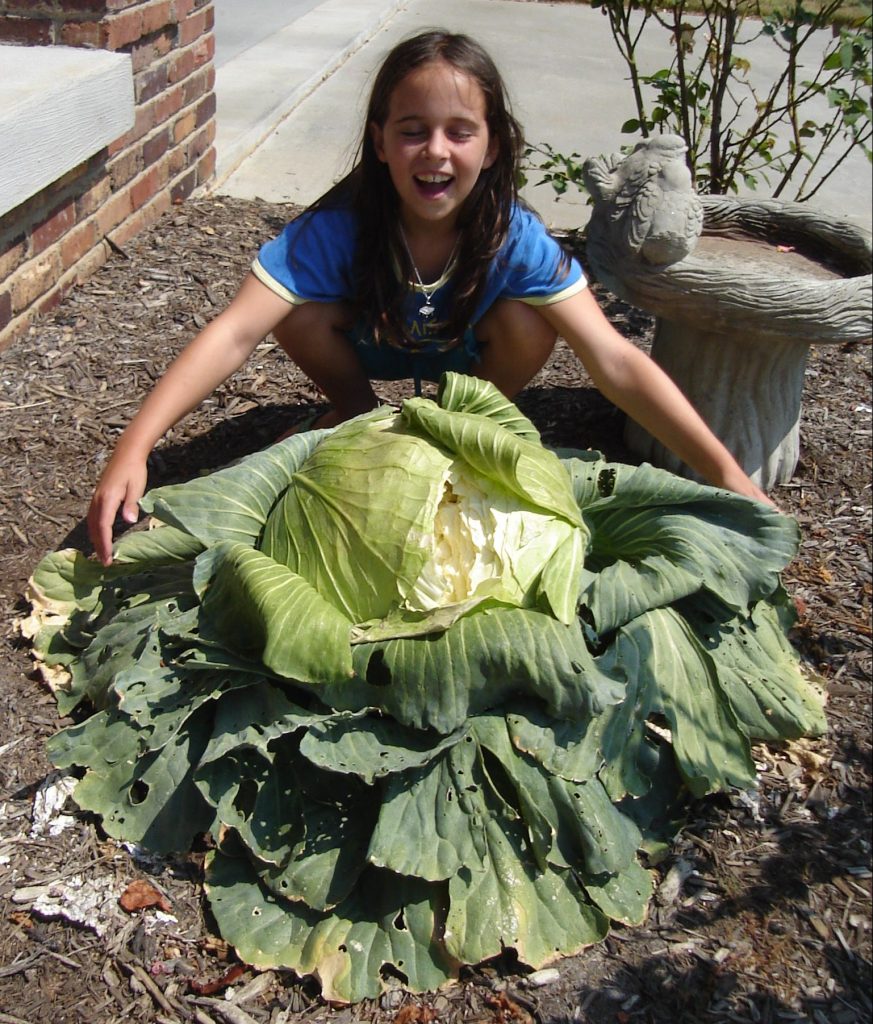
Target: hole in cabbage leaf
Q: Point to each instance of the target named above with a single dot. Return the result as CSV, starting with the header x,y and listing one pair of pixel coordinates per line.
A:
x,y
606,482
400,922
389,971
138,792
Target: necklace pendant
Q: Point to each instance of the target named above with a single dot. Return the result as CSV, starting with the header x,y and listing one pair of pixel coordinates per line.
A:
x,y
427,310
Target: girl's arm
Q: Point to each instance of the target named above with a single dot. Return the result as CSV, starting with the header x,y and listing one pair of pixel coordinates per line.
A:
x,y
219,350
638,386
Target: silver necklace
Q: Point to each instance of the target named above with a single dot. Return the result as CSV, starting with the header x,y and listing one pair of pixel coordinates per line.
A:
x,y
428,309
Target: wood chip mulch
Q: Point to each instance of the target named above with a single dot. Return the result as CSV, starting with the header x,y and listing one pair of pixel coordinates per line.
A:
x,y
763,906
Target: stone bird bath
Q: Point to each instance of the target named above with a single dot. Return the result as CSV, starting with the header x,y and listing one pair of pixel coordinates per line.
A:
x,y
740,287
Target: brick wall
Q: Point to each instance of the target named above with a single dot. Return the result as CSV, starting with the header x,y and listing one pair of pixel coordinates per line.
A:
x,y
60,236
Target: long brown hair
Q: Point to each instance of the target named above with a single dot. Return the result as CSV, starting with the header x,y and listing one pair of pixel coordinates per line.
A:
x,y
484,218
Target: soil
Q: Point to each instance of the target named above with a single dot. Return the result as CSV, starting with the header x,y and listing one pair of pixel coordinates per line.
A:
x,y
763,907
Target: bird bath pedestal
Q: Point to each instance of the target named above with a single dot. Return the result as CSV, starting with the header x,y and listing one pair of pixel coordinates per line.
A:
x,y
737,312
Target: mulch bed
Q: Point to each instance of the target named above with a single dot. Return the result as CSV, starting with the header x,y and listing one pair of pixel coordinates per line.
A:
x,y
763,907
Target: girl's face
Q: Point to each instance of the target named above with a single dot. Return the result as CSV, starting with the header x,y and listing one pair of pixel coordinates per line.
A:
x,y
435,142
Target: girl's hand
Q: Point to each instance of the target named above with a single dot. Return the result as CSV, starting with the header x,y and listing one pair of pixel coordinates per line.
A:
x,y
736,480
122,484
638,386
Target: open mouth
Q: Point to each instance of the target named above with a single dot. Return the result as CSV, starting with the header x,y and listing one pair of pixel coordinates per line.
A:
x,y
432,186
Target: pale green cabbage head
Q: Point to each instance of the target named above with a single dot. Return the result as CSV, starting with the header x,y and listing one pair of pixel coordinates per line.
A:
x,y
402,522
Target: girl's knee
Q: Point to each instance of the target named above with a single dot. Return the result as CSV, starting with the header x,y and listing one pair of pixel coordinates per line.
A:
x,y
512,322
516,341
310,321
315,336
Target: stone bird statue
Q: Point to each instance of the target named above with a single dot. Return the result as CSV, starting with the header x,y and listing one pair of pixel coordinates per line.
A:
x,y
645,201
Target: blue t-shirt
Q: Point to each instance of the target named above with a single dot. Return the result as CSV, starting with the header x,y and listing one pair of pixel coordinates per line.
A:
x,y
313,260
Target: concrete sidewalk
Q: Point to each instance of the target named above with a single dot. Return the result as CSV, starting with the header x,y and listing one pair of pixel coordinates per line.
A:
x,y
266,66
290,108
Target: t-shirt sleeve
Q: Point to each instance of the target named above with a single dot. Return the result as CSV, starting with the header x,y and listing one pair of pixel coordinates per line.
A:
x,y
537,270
311,260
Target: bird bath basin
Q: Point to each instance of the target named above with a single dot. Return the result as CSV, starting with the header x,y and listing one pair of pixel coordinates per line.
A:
x,y
756,282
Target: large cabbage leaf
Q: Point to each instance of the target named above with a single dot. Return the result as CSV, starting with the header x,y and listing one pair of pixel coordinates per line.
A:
x,y
435,690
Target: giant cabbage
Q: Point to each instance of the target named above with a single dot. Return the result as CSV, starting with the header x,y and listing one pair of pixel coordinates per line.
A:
x,y
435,690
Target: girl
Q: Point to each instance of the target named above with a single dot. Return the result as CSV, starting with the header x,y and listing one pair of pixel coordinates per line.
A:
x,y
422,260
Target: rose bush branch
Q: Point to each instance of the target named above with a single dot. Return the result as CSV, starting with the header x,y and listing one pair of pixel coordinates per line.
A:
x,y
737,133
